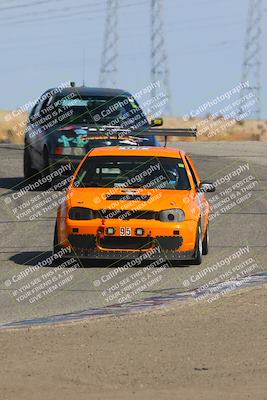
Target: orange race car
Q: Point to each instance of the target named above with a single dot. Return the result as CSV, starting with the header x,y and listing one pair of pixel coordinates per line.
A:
x,y
124,201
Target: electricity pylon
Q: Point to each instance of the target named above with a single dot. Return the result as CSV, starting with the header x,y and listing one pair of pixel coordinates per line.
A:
x,y
108,70
252,59
159,61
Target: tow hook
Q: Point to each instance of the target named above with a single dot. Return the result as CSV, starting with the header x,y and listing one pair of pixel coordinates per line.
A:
x,y
101,230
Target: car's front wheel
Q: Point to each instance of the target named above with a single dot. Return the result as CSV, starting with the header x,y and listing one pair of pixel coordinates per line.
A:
x,y
205,244
55,241
56,247
199,248
45,173
28,171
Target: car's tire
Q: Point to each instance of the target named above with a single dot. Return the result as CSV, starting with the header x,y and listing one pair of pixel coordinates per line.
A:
x,y
46,170
176,264
55,241
205,243
199,248
56,248
28,171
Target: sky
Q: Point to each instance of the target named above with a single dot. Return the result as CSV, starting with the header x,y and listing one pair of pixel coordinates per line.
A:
x,y
46,42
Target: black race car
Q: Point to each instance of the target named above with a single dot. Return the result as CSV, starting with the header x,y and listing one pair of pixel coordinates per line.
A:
x,y
66,123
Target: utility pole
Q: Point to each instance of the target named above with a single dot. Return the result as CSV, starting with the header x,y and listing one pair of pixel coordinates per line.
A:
x,y
159,61
252,58
108,70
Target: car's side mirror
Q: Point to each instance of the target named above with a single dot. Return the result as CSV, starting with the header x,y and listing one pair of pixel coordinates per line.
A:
x,y
156,122
206,187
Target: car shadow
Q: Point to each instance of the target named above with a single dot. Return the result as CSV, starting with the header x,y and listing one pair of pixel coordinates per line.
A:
x,y
17,183
32,258
11,183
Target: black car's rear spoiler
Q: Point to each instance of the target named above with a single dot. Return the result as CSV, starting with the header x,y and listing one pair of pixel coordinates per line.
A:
x,y
166,132
182,132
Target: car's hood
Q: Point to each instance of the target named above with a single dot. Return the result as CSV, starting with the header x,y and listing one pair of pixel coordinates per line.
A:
x,y
131,199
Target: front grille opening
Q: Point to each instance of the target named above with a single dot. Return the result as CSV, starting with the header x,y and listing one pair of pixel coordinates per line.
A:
x,y
130,243
82,241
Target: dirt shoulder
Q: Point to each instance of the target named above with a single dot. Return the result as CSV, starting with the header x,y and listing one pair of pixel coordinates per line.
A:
x,y
187,351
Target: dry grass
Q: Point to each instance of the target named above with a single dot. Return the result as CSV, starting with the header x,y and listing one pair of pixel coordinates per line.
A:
x,y
222,129
12,128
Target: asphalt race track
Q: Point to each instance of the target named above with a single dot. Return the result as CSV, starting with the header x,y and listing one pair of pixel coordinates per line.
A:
x,y
238,239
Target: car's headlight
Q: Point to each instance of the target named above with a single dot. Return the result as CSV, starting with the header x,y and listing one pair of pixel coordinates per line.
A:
x,y
81,213
172,215
71,151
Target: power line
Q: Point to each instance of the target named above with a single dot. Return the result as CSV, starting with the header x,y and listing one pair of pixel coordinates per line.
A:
x,y
73,14
26,5
52,10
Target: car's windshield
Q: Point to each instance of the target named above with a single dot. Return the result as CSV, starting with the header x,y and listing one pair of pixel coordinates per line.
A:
x,y
102,110
133,172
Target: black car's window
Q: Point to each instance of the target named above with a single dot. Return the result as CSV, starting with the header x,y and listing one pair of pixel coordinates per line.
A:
x,y
38,108
102,110
133,172
32,113
50,101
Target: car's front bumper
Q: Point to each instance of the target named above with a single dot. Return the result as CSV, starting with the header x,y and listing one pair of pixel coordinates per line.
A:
x,y
165,255
173,237
162,248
